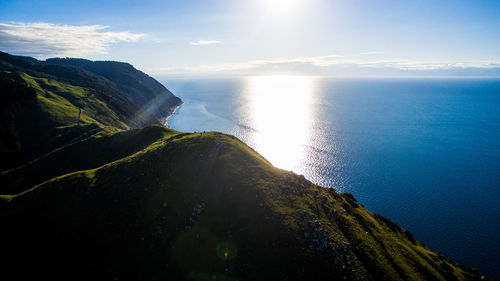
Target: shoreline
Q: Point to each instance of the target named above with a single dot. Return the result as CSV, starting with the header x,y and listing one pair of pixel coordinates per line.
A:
x,y
164,120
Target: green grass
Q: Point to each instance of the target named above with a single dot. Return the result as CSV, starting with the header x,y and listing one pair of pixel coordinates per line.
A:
x,y
89,152
6,198
197,206
50,119
62,102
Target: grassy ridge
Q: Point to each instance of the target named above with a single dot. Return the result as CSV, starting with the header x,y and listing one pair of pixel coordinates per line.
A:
x,y
195,206
88,153
50,104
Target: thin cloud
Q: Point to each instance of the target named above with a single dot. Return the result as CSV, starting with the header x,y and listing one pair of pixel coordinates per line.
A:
x,y
42,40
315,61
427,65
205,42
334,64
369,53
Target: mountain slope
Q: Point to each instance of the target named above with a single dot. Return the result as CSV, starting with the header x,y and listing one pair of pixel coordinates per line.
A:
x,y
46,106
144,91
206,206
103,88
87,153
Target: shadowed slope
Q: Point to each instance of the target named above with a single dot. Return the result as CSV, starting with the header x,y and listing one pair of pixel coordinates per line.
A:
x,y
87,153
204,207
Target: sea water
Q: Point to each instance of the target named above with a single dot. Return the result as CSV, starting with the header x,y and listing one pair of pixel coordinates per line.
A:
x,y
423,152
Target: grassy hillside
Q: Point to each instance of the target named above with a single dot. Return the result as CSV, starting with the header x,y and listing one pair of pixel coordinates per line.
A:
x,y
206,207
104,89
151,96
46,106
91,152
85,196
48,117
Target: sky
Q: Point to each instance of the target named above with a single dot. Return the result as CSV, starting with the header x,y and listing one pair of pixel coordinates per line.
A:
x,y
241,37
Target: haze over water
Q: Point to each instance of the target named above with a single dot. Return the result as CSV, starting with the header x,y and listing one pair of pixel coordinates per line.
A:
x,y
423,152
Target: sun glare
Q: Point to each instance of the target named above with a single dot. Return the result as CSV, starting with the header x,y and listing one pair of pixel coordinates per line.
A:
x,y
281,115
282,7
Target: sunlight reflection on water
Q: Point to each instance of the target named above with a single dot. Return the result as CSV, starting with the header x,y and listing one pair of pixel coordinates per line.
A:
x,y
280,114
399,145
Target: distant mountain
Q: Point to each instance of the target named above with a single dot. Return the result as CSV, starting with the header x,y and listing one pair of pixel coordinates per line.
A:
x,y
141,89
88,197
42,103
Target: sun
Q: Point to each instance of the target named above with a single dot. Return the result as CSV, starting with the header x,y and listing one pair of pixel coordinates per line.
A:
x,y
282,7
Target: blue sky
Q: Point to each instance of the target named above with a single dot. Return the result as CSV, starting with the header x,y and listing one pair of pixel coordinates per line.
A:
x,y
262,36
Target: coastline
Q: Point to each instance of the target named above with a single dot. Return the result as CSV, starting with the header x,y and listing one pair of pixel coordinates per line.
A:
x,y
164,120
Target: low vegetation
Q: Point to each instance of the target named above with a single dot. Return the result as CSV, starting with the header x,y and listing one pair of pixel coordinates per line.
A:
x,y
98,200
47,105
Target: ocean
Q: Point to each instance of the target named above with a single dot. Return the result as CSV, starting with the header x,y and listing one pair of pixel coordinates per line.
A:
x,y
424,152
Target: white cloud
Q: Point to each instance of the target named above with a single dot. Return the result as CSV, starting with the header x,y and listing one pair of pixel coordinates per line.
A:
x,y
44,40
205,42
